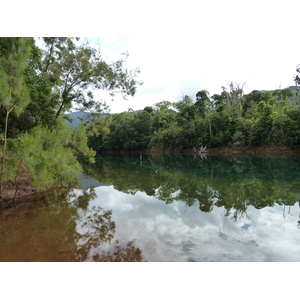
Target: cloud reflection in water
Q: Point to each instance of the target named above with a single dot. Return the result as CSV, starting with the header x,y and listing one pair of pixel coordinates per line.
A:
x,y
174,232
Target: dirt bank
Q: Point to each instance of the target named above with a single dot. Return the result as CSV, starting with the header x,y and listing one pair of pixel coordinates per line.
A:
x,y
234,150
259,150
15,197
11,207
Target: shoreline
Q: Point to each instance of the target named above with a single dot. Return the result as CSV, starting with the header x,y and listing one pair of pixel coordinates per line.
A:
x,y
8,209
275,150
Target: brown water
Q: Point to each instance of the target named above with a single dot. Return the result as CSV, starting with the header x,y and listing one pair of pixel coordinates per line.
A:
x,y
58,230
165,208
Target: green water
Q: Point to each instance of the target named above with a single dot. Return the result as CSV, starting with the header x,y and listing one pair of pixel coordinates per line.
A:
x,y
165,208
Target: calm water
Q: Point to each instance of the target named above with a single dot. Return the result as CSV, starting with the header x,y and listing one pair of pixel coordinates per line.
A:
x,y
165,208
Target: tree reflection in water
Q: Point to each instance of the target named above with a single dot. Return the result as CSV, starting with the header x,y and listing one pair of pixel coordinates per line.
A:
x,y
127,254
232,182
60,226
101,229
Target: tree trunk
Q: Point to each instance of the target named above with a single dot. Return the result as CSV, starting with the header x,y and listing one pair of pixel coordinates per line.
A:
x,y
3,152
4,147
16,184
50,56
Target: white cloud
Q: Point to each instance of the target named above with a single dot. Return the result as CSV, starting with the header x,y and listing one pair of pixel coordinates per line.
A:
x,y
257,47
182,47
174,232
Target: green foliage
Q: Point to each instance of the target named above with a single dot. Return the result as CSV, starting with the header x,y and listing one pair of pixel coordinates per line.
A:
x,y
36,87
203,103
130,131
14,53
284,94
79,143
236,120
40,110
78,70
50,154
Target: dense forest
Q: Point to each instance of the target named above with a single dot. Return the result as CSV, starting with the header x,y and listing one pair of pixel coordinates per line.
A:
x,y
228,119
39,86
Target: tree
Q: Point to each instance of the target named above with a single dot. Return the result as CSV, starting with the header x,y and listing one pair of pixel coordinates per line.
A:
x,y
252,99
186,110
78,70
14,54
218,100
163,114
297,82
50,154
234,97
203,102
148,109
41,109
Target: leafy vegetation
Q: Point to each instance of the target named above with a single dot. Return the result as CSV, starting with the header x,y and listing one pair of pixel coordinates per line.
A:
x,y
37,87
229,119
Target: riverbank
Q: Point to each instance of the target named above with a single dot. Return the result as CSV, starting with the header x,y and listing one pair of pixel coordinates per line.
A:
x,y
17,195
259,150
274,150
13,205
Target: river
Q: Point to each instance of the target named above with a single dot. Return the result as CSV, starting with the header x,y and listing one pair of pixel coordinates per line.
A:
x,y
165,208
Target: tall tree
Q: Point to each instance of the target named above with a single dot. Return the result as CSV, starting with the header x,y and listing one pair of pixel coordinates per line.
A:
x,y
41,109
297,82
203,102
78,70
234,96
14,54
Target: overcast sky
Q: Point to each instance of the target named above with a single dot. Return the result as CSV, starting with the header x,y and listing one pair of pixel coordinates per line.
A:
x,y
181,47
185,47
182,65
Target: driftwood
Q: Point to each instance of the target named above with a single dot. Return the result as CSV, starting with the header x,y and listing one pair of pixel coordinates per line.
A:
x,y
201,150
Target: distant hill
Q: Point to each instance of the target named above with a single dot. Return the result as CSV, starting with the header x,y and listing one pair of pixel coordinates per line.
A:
x,y
292,88
74,117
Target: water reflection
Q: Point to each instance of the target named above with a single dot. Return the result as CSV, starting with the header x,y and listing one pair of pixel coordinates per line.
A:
x,y
61,227
175,232
167,208
234,183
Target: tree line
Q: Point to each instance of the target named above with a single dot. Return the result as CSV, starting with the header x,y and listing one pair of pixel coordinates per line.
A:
x,y
228,119
38,85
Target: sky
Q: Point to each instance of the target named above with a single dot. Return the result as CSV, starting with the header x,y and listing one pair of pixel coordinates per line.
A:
x,y
180,47
171,67
207,46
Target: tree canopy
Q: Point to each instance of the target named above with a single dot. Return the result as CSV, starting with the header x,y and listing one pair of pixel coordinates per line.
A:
x,y
38,86
77,71
228,119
